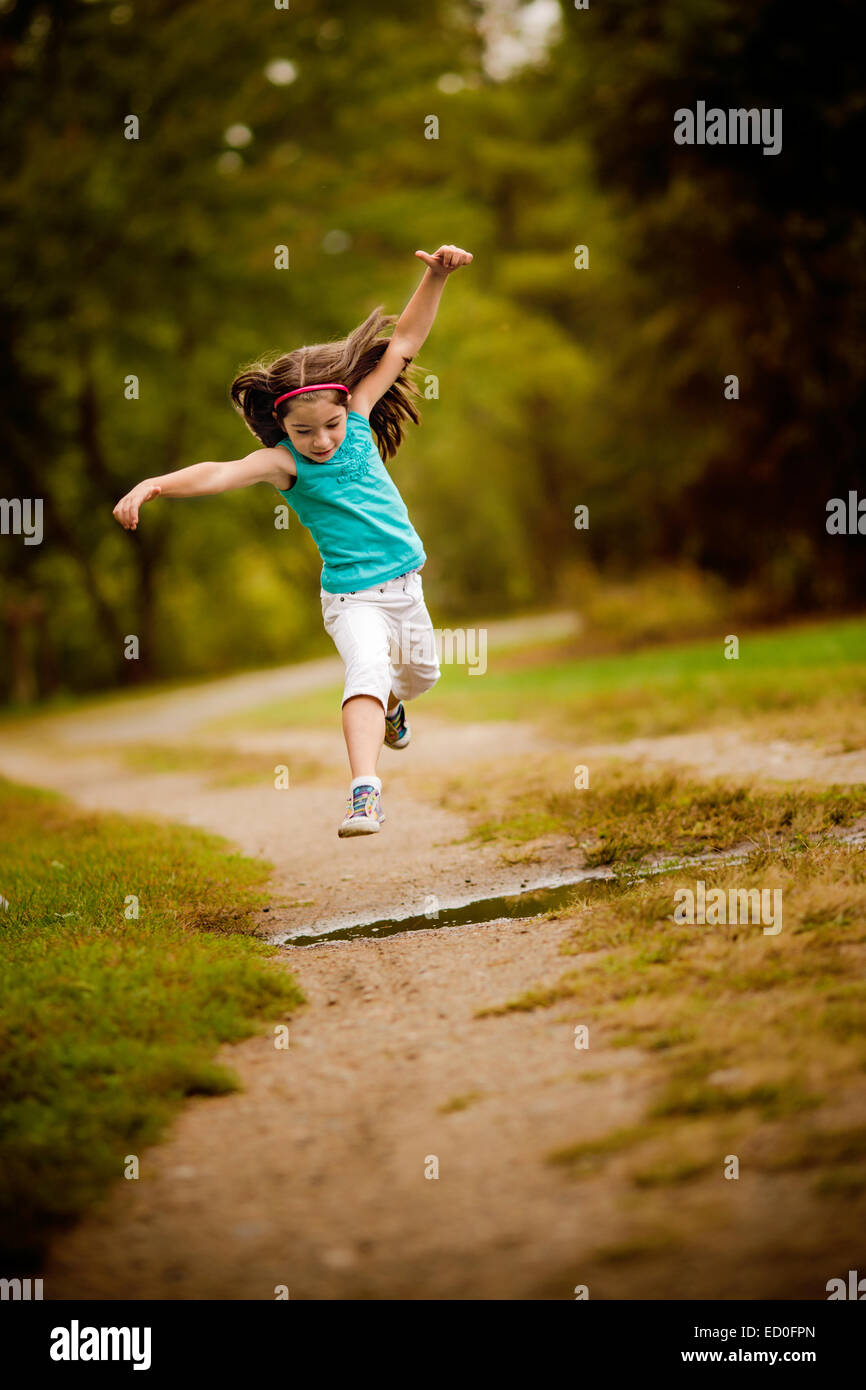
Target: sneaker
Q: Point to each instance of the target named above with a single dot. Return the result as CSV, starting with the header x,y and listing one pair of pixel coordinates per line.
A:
x,y
364,812
397,732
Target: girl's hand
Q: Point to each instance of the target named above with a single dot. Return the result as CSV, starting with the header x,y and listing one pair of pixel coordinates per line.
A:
x,y
446,259
127,509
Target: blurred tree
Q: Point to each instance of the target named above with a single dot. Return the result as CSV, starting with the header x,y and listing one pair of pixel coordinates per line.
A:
x,y
153,258
548,386
740,263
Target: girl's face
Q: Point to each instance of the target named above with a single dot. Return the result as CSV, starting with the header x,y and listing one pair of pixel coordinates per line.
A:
x,y
316,428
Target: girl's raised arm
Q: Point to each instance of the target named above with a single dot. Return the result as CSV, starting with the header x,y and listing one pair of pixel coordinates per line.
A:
x,y
412,327
204,479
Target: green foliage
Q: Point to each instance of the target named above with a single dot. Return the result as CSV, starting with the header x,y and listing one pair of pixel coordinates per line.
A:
x,y
155,258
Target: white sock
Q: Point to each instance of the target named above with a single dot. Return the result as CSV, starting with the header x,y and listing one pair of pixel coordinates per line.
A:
x,y
395,709
371,781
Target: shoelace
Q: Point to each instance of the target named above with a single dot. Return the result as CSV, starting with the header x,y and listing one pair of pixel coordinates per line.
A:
x,y
397,722
361,801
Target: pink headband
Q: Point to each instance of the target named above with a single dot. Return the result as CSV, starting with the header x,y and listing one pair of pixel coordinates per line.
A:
x,y
322,386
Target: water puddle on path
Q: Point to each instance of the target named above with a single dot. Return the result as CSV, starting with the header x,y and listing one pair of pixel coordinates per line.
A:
x,y
538,899
529,902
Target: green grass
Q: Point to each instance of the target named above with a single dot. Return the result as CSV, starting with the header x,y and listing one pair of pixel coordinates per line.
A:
x,y
818,1147
463,1102
671,1173
688,1097
669,689
628,813
107,1022
588,1156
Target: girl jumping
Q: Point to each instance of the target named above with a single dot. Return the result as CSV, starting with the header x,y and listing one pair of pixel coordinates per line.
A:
x,y
315,411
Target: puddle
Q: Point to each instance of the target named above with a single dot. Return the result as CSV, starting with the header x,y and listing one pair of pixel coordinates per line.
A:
x,y
528,902
532,901
535,900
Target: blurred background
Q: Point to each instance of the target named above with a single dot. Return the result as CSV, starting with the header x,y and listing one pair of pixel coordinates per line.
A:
x,y
557,386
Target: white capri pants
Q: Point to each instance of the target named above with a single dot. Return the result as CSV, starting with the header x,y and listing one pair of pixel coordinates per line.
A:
x,y
385,638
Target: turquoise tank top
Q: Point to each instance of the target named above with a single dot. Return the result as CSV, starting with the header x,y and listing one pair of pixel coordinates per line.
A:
x,y
356,516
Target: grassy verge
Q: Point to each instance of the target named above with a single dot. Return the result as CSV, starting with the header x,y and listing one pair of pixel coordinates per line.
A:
x,y
749,1044
628,812
791,682
109,1020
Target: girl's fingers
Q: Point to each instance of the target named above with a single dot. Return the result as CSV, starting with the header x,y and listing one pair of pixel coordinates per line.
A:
x,y
123,514
446,258
454,256
127,510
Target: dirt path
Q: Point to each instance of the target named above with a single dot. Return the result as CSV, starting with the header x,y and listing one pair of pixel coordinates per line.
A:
x,y
313,1176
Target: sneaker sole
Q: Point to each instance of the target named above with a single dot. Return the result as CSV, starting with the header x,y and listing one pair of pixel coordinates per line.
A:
x,y
359,827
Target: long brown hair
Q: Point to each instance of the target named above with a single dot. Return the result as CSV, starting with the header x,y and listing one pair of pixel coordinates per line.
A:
x,y
347,360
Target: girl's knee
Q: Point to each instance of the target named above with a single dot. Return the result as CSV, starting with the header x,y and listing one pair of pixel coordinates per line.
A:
x,y
367,676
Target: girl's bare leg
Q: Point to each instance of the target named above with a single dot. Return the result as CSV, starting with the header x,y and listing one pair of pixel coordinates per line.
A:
x,y
364,732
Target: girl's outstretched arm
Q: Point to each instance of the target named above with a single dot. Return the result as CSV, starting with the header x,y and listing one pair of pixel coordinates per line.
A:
x,y
411,328
204,479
